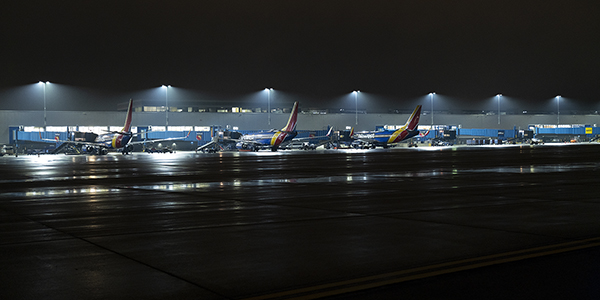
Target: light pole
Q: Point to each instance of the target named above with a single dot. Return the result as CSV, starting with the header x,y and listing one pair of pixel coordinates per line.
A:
x,y
269,90
44,85
498,96
356,105
166,87
558,110
431,95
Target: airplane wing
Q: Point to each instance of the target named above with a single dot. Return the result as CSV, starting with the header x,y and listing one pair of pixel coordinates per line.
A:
x,y
368,140
94,144
81,143
158,140
318,137
206,146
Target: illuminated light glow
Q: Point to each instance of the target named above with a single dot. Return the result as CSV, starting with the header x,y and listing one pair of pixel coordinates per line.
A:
x,y
356,105
92,190
202,128
44,85
33,129
558,109
56,128
158,128
166,103
115,128
431,95
180,128
498,96
94,129
269,90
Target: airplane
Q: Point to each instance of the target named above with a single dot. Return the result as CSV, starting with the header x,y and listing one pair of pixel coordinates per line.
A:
x,y
312,142
273,138
225,140
220,140
100,144
536,141
385,138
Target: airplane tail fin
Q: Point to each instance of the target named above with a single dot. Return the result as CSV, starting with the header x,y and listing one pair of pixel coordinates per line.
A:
x,y
352,132
413,121
291,124
127,126
330,131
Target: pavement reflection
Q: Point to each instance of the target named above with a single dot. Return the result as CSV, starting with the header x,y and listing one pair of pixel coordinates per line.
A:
x,y
244,224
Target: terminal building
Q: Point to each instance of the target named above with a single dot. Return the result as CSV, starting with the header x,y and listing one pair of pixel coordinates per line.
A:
x,y
33,128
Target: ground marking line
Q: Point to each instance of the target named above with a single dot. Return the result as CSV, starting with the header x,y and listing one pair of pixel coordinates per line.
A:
x,y
478,262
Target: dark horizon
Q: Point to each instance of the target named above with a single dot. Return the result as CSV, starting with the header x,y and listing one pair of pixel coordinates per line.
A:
x,y
316,51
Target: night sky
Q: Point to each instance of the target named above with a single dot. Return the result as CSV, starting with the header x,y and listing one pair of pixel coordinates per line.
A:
x,y
321,50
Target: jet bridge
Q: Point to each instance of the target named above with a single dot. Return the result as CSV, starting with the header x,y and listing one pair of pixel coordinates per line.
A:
x,y
221,140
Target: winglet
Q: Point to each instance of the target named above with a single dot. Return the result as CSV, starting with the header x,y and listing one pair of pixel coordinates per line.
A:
x,y
291,124
413,121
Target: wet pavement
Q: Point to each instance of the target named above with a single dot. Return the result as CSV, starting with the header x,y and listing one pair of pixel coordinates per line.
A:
x,y
341,223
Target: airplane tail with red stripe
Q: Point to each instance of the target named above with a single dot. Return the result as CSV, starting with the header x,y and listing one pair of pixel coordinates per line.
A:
x,y
291,124
127,126
413,120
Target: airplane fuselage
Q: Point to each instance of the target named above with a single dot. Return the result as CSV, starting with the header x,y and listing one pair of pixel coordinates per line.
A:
x,y
272,138
113,141
266,139
387,136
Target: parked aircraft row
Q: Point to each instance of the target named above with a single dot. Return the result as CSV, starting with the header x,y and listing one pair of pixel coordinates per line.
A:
x,y
274,139
117,140
122,141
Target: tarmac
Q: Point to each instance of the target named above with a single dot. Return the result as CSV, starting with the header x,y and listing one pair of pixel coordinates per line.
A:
x,y
491,222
